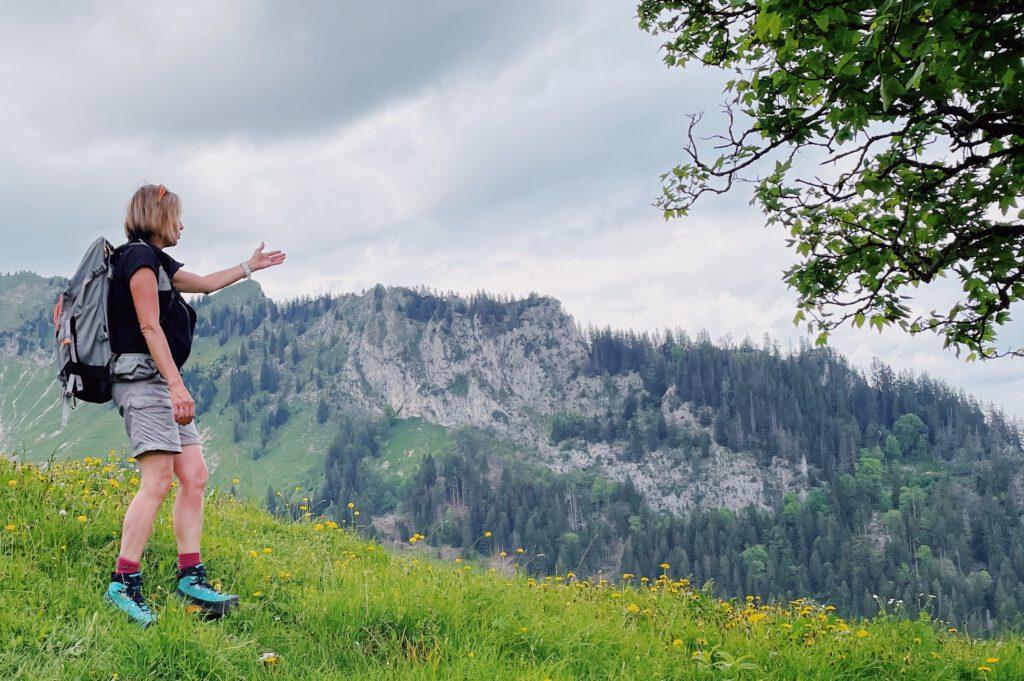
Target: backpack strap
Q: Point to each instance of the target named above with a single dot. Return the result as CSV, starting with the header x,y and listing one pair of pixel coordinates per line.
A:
x,y
139,241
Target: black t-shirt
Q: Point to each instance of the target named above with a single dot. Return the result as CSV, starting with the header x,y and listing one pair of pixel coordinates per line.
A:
x,y
177,318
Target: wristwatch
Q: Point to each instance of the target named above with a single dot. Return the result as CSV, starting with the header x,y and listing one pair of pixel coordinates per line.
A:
x,y
246,269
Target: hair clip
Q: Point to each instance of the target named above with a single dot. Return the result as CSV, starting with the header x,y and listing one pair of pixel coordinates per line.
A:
x,y
160,192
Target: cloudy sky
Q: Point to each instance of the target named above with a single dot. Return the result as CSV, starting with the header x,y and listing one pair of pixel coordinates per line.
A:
x,y
507,147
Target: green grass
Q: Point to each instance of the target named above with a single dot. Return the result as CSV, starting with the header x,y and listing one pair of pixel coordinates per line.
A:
x,y
334,606
409,440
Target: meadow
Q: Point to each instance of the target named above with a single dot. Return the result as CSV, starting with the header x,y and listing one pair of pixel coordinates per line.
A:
x,y
321,601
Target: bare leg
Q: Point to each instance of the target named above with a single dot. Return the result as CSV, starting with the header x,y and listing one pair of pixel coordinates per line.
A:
x,y
157,470
190,467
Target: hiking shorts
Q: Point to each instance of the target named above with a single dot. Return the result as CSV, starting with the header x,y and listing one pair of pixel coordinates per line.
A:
x,y
144,400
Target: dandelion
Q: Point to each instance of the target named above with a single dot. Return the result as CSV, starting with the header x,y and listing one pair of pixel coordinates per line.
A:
x,y
332,524
134,480
267,549
991,660
10,527
633,608
12,483
952,630
665,566
862,634
350,505
985,669
502,554
235,481
253,553
270,657
487,534
318,527
356,514
677,642
82,518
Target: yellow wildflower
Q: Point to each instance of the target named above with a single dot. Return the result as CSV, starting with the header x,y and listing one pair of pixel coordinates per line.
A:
x,y
81,518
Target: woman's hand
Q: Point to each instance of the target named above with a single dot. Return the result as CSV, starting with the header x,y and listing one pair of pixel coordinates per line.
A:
x,y
184,406
261,260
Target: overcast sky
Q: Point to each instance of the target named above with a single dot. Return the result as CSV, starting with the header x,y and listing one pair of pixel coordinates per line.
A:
x,y
469,146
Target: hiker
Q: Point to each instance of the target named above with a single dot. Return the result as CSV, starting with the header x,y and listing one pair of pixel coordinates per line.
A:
x,y
151,328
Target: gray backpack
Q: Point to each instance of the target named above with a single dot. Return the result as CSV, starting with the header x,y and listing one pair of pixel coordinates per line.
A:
x,y
82,338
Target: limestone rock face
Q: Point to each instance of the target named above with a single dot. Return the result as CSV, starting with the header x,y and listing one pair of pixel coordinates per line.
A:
x,y
510,372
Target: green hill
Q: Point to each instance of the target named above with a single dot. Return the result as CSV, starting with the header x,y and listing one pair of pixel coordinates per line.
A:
x,y
330,604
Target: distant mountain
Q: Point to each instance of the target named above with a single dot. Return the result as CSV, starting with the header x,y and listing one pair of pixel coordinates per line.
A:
x,y
768,472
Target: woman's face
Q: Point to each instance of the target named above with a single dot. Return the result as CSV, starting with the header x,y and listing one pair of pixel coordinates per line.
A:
x,y
176,233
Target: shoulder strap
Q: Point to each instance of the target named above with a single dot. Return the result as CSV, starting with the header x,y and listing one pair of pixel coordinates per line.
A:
x,y
137,241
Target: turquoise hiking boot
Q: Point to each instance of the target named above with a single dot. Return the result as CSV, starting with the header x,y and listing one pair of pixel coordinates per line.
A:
x,y
193,587
125,594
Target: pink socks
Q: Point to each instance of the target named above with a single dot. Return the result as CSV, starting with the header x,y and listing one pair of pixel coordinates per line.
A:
x,y
125,566
187,560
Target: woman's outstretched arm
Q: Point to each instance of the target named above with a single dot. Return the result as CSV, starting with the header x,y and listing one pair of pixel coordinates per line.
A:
x,y
189,282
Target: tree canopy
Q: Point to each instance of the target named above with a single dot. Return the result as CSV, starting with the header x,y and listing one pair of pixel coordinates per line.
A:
x,y
913,111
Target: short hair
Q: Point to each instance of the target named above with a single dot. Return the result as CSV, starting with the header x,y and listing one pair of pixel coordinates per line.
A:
x,y
152,212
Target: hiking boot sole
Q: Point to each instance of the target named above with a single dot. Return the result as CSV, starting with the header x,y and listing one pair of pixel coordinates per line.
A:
x,y
210,610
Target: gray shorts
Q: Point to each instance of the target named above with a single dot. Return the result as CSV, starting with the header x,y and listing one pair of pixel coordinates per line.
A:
x,y
144,400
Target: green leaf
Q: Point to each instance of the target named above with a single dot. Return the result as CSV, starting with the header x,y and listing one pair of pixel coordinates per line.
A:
x,y
821,19
891,88
915,79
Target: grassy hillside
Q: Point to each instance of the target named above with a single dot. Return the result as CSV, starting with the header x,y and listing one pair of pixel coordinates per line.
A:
x,y
332,605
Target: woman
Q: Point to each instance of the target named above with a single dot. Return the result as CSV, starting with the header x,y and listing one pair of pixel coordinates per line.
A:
x,y
151,329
